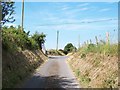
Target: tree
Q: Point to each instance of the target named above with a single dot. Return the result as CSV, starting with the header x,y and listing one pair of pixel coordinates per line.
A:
x,y
69,48
7,12
39,38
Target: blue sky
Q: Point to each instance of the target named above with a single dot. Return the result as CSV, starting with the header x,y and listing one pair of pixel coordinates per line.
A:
x,y
72,19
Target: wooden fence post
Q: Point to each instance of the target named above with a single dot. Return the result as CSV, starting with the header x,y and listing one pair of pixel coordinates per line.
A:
x,y
107,38
90,41
96,40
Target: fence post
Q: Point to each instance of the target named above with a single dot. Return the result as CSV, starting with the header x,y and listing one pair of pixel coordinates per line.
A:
x,y
96,40
107,38
90,41
87,42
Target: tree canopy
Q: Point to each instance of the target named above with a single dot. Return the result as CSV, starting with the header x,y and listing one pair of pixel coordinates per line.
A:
x,y
7,12
69,48
39,38
12,38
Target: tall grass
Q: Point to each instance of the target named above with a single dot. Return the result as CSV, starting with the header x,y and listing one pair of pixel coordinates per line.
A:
x,y
102,47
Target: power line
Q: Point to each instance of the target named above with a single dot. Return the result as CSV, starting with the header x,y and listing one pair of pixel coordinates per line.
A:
x,y
95,21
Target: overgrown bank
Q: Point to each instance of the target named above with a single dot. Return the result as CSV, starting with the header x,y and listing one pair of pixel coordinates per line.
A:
x,y
21,55
18,65
96,66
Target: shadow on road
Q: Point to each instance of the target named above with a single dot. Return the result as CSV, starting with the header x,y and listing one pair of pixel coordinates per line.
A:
x,y
57,57
53,81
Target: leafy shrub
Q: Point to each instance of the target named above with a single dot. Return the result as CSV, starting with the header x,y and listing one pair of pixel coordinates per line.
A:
x,y
77,72
85,79
32,44
39,38
8,38
83,55
91,48
13,38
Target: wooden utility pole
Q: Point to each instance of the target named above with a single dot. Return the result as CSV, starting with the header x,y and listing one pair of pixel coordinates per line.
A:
x,y
90,41
22,13
96,40
57,40
87,42
107,38
78,41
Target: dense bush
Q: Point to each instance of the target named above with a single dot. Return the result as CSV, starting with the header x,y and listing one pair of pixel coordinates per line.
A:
x,y
13,38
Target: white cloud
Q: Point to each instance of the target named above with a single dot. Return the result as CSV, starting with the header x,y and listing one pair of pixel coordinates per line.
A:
x,y
84,4
105,9
83,9
73,11
65,8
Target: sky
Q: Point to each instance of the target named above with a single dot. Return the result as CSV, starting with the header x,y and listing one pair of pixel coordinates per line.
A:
x,y
76,21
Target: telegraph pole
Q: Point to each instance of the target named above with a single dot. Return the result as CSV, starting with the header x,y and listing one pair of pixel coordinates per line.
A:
x,y
107,38
22,13
78,41
57,40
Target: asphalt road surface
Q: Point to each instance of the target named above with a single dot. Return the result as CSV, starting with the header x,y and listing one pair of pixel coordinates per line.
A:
x,y
55,73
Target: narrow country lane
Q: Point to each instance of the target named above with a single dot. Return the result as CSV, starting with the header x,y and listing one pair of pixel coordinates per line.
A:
x,y
55,73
